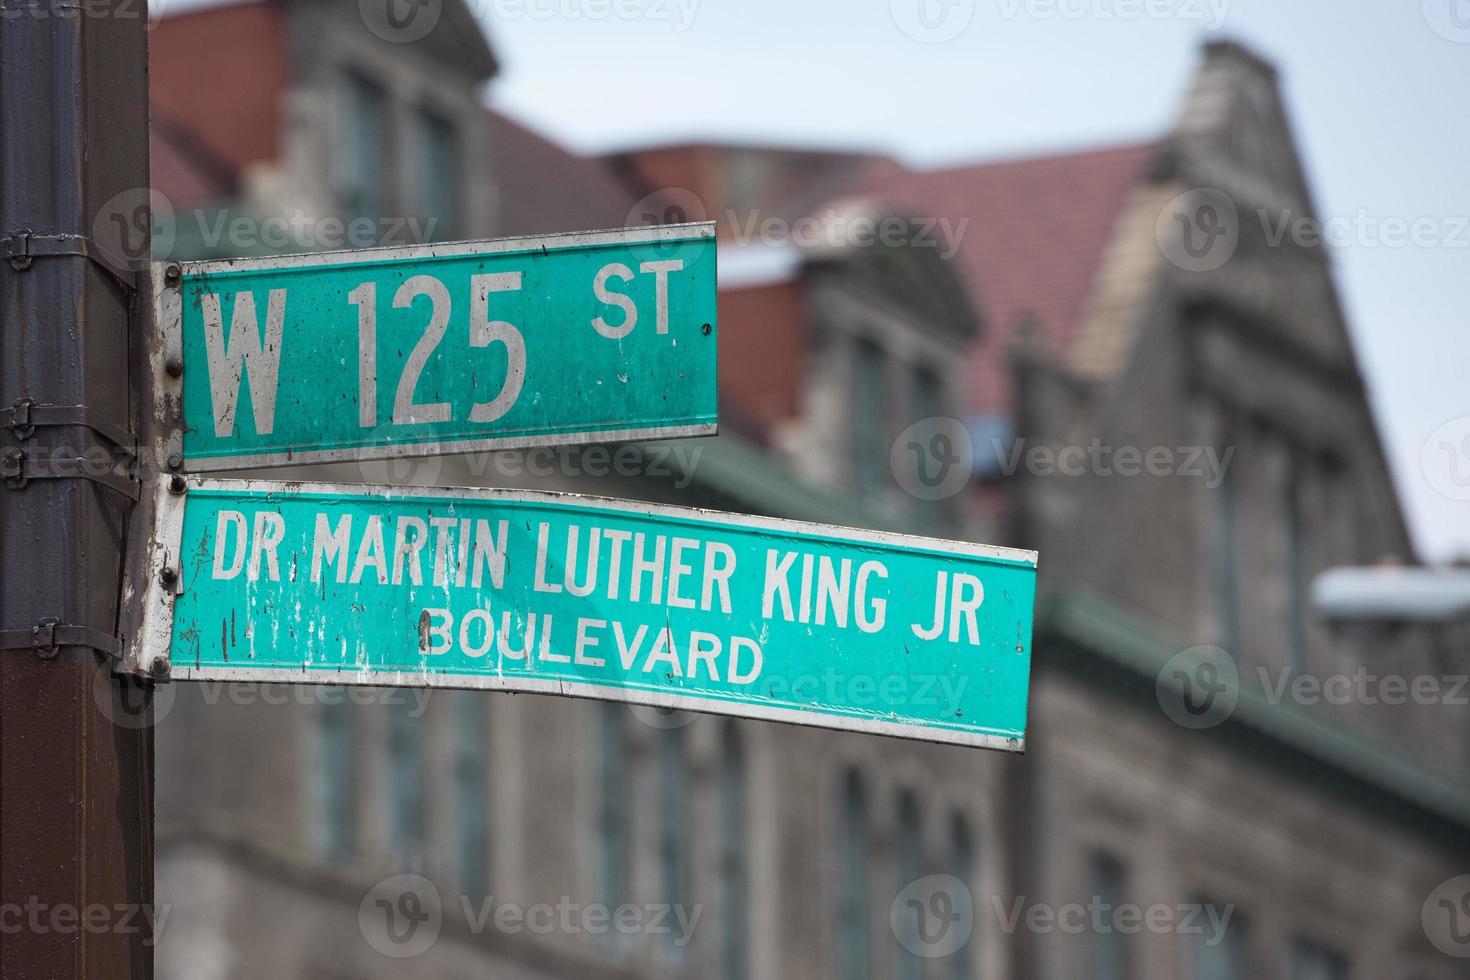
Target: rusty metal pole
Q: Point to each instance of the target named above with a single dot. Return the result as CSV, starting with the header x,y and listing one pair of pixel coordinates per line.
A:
x,y
76,790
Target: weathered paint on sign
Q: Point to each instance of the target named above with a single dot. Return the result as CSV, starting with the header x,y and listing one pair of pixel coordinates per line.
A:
x,y
622,601
592,337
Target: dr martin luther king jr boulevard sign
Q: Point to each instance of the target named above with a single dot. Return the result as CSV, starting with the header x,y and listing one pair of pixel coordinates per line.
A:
x,y
581,338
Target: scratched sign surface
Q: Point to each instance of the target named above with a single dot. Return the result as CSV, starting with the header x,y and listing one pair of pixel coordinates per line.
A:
x,y
591,337
621,601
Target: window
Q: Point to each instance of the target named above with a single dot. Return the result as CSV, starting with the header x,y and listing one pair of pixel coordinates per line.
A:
x,y
734,919
673,843
962,866
852,912
336,783
1227,562
612,815
1296,588
405,779
928,402
1109,957
365,143
869,417
908,860
1309,961
1224,956
471,791
438,176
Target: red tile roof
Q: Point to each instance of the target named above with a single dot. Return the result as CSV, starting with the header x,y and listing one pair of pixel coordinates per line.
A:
x,y
222,73
1036,234
545,188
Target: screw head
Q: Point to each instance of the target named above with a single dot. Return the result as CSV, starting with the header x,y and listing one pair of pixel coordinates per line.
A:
x,y
174,367
159,667
172,272
176,483
705,329
176,462
168,575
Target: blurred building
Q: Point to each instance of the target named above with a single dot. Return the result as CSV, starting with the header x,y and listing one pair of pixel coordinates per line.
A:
x,y
1185,438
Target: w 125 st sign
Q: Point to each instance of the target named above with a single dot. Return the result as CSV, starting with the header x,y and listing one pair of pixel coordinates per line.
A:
x,y
579,338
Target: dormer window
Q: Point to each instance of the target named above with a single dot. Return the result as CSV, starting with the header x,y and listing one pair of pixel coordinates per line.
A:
x,y
869,401
438,176
361,170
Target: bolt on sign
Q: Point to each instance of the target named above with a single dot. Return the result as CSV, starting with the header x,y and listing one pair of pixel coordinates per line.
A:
x,y
646,604
379,353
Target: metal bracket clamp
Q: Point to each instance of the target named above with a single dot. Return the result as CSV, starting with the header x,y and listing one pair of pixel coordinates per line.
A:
x,y
49,635
23,246
26,416
17,469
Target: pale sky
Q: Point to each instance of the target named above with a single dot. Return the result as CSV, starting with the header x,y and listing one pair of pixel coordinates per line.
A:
x,y
1376,91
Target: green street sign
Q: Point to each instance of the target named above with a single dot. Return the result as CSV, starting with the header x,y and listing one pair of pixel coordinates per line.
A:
x,y
587,597
379,353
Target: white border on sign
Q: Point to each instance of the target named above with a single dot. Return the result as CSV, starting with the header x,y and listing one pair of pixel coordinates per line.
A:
x,y
411,450
448,250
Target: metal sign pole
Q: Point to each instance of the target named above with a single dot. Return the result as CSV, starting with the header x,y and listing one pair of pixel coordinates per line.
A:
x,y
76,791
